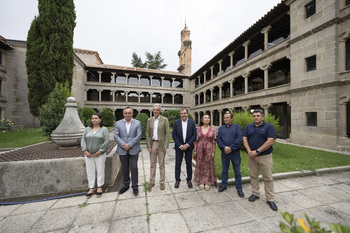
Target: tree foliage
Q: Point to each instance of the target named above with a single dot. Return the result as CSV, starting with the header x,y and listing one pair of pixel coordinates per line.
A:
x,y
52,113
173,115
107,116
152,61
243,119
49,56
85,115
142,117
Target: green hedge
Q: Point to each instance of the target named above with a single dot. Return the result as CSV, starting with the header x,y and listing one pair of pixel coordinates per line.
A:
x,y
142,117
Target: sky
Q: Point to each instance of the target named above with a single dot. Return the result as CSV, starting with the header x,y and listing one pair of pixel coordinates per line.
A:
x,y
116,29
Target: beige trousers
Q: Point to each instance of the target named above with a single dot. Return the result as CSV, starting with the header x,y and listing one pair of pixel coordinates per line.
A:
x,y
264,164
159,153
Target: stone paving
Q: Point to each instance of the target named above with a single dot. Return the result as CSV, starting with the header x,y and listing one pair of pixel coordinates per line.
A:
x,y
324,197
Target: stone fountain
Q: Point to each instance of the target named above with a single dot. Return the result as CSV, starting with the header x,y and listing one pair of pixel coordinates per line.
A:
x,y
70,131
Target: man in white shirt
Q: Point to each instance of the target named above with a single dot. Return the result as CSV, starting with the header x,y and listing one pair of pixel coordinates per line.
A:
x,y
157,139
184,135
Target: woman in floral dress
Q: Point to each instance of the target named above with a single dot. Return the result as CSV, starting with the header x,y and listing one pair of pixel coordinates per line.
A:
x,y
204,151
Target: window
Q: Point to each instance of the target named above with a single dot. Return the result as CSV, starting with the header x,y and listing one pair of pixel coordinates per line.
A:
x,y
0,58
347,54
347,2
311,118
310,9
311,63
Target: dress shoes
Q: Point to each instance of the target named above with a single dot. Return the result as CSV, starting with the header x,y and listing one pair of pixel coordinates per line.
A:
x,y
252,198
189,184
149,186
240,193
272,205
177,184
123,190
135,191
162,186
222,188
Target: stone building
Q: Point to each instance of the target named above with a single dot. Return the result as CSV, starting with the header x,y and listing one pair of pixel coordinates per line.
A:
x,y
294,63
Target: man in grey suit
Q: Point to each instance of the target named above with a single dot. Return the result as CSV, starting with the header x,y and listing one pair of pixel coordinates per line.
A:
x,y
127,134
157,138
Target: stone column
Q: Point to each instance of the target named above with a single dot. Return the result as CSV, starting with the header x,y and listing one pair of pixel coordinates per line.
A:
x,y
199,117
220,66
212,72
99,94
204,95
266,68
220,117
220,90
211,116
139,77
126,78
245,76
245,45
161,97
86,93
150,99
139,93
150,78
246,108
231,86
113,93
205,76
113,79
265,31
266,108
173,98
86,75
162,84
211,94
231,58
126,96
199,80
173,84
99,76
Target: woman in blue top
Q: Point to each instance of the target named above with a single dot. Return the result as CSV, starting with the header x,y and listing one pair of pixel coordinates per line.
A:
x,y
94,145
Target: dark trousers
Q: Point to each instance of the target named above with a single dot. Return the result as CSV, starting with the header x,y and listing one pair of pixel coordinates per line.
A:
x,y
236,164
179,154
129,164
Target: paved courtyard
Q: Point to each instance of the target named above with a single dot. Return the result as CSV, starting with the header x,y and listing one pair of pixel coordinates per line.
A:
x,y
324,197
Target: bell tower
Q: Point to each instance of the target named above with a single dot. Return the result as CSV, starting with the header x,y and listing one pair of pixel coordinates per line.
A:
x,y
185,53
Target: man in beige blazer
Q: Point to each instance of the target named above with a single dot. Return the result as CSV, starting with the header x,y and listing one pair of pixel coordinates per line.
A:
x,y
157,138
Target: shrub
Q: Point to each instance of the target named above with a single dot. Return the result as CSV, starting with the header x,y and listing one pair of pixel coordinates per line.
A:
x,y
243,119
142,117
5,125
52,112
107,116
173,115
85,115
311,226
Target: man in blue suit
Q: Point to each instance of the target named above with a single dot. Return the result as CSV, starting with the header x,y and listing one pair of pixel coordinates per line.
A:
x,y
127,134
184,135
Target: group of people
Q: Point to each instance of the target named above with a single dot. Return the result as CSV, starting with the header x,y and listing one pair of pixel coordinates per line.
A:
x,y
257,139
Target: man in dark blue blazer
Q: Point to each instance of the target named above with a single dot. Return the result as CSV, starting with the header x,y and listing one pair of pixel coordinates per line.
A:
x,y
184,134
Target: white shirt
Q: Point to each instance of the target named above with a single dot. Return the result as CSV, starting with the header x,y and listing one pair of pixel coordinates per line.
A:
x,y
127,125
155,129
184,129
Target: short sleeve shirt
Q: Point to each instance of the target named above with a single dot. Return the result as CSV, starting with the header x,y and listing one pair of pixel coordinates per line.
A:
x,y
257,136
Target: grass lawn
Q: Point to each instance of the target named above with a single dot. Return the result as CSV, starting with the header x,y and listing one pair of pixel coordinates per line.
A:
x,y
287,158
21,138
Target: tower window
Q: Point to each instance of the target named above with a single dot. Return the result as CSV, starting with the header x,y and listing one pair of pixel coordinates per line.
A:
x,y
310,9
311,63
311,118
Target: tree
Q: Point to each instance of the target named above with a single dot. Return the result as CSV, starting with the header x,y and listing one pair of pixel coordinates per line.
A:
x,y
52,113
142,117
107,116
49,56
85,115
152,61
173,115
